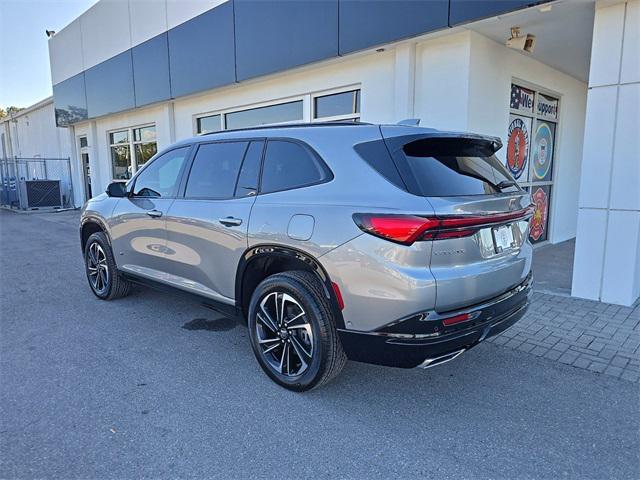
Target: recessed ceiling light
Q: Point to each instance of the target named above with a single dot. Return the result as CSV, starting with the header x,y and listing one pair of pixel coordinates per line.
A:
x,y
546,8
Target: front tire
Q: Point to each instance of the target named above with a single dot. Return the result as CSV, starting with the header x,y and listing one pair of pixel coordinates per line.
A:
x,y
104,279
292,331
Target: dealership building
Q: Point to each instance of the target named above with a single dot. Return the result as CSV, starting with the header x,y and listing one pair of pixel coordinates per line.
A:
x,y
131,77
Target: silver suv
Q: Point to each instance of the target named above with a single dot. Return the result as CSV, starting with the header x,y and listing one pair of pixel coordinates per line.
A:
x,y
387,244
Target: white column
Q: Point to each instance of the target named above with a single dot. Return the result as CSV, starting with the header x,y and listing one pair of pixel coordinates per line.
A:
x,y
607,256
405,74
168,126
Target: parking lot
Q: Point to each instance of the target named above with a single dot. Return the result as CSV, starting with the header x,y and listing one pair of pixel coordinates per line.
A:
x,y
155,386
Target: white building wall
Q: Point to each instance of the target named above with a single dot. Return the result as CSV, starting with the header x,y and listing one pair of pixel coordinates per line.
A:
x,y
492,69
32,133
607,257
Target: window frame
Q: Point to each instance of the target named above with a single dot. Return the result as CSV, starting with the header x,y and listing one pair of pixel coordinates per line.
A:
x,y
308,108
182,193
335,118
131,183
529,185
329,176
131,146
223,112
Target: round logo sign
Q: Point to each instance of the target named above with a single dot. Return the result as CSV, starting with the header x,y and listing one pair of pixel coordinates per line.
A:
x,y
539,219
543,151
517,147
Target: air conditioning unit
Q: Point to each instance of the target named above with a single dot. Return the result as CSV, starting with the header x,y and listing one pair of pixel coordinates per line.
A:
x,y
40,194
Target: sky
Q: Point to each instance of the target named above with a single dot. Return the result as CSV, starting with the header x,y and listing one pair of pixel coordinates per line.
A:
x,y
25,77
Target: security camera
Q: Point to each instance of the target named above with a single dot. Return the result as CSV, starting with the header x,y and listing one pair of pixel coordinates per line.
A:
x,y
50,33
517,41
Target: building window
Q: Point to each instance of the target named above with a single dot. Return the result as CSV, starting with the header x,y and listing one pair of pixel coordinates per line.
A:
x,y
334,105
209,124
269,115
130,149
531,137
337,106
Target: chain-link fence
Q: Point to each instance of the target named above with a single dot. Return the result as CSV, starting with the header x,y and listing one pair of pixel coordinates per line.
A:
x,y
29,183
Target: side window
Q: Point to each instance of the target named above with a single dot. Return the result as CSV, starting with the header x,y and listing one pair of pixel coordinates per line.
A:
x,y
250,171
289,165
161,177
215,170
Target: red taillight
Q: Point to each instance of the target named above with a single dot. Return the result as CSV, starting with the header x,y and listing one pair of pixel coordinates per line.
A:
x,y
407,229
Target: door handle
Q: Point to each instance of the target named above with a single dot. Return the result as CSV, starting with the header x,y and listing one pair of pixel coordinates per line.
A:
x,y
230,221
154,213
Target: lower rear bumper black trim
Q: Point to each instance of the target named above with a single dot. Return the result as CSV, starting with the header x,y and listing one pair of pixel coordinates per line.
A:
x,y
409,352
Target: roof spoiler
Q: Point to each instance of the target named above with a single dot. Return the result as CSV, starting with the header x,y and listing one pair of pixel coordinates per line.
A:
x,y
396,138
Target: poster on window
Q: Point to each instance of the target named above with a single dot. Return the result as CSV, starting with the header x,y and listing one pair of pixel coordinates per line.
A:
x,y
518,146
538,225
542,151
546,107
521,99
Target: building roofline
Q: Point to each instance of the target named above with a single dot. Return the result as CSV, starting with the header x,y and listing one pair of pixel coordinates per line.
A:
x,y
25,111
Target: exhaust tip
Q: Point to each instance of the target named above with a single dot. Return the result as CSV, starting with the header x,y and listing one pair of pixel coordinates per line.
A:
x,y
432,362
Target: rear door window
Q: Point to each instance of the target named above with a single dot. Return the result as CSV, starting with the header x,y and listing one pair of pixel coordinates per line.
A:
x,y
215,170
446,167
289,165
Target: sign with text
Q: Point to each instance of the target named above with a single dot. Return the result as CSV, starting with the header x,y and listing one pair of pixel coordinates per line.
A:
x,y
546,107
521,98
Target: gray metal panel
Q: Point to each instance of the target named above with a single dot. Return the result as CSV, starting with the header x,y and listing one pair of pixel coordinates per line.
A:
x,y
110,86
201,52
70,100
366,24
276,35
464,11
151,70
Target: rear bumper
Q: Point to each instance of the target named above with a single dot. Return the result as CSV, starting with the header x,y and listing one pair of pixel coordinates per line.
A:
x,y
428,341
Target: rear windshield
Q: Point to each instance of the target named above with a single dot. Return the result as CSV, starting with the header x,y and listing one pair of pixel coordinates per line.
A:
x,y
446,167
440,166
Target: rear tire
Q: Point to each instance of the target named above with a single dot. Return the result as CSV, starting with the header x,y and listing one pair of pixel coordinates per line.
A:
x,y
104,279
293,333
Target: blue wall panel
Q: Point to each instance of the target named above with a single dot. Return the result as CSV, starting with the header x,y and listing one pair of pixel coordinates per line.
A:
x,y
463,11
151,71
201,52
70,100
110,86
276,35
364,24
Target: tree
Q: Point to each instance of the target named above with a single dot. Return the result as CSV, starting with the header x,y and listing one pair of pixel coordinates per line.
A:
x,y
9,111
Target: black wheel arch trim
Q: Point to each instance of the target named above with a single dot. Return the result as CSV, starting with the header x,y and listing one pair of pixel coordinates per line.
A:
x,y
260,251
97,220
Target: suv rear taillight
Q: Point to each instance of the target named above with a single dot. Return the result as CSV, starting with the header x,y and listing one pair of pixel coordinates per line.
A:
x,y
406,229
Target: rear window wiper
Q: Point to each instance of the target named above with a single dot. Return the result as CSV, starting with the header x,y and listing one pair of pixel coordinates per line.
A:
x,y
505,184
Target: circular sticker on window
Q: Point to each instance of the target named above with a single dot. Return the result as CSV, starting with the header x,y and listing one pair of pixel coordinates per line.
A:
x,y
539,219
517,147
542,151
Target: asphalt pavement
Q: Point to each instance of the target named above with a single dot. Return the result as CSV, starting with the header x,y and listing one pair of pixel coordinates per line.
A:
x,y
153,386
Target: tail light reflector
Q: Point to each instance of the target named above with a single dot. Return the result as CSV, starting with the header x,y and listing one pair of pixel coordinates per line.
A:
x,y
407,229
336,290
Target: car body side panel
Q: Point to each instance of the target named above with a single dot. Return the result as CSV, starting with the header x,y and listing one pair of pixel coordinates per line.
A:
x,y
203,250
381,281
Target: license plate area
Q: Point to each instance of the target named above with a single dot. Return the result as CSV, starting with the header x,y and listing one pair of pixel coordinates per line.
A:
x,y
503,238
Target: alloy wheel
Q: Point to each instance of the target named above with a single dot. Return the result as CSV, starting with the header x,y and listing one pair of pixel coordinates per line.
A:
x,y
97,268
284,334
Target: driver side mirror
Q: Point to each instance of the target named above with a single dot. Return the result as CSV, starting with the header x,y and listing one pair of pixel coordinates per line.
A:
x,y
117,189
